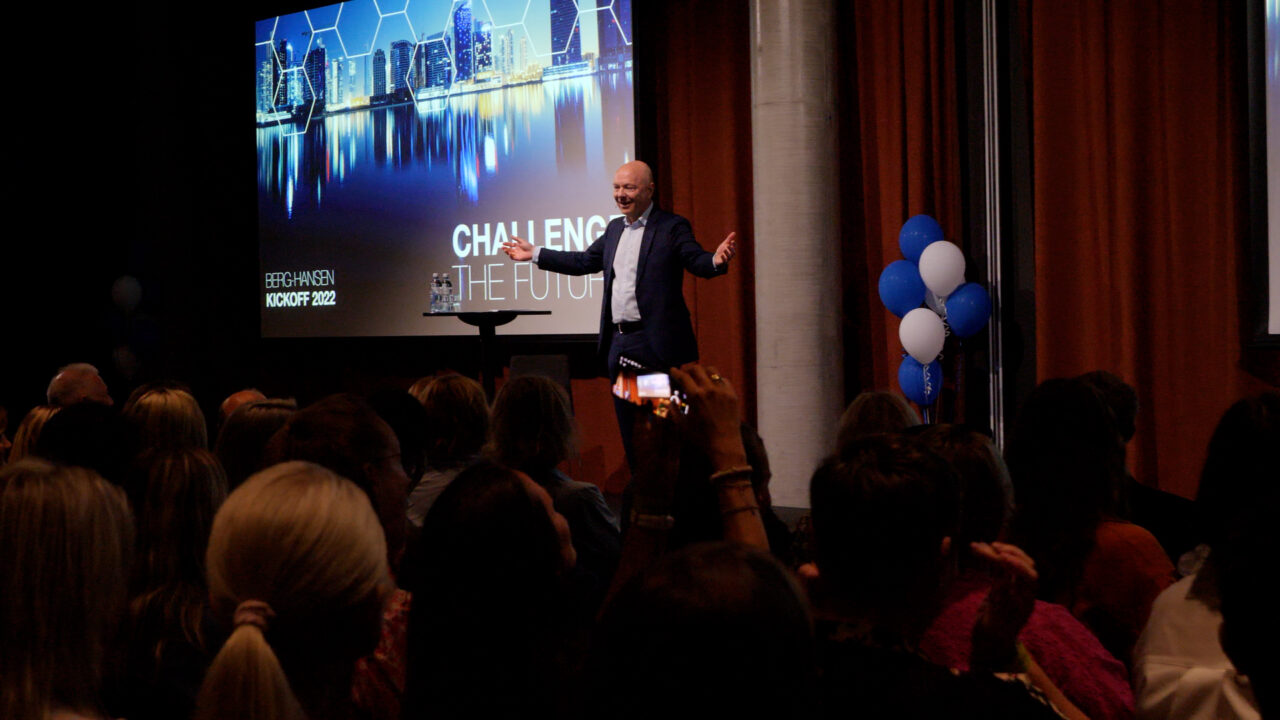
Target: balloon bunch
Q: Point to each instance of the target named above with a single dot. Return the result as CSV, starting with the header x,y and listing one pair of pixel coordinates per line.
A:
x,y
932,274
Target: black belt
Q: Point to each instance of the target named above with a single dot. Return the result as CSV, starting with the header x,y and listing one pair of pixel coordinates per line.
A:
x,y
629,327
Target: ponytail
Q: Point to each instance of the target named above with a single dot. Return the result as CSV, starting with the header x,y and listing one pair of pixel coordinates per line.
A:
x,y
246,681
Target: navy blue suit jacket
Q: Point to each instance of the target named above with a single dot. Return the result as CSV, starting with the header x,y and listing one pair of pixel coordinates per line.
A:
x,y
666,251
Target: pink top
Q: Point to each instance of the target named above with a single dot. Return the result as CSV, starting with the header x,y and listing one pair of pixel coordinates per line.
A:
x,y
379,678
1070,655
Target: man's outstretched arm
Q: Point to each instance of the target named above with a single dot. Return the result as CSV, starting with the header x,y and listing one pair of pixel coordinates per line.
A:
x,y
697,260
583,262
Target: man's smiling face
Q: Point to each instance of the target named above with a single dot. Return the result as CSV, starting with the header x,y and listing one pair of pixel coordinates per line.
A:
x,y
633,189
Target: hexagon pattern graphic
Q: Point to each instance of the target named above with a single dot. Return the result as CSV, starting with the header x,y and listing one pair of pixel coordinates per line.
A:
x,y
396,15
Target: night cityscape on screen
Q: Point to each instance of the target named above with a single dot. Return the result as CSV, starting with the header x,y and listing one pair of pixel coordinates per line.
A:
x,y
394,143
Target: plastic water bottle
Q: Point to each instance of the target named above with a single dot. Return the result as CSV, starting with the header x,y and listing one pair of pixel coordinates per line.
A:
x,y
451,300
436,290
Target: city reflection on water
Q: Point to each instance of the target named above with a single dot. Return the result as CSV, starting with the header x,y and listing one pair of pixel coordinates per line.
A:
x,y
468,142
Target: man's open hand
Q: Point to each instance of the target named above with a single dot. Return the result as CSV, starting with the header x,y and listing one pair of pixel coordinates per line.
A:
x,y
727,249
518,249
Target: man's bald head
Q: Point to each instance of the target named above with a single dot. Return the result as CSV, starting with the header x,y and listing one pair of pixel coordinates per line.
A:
x,y
76,383
640,169
633,189
238,398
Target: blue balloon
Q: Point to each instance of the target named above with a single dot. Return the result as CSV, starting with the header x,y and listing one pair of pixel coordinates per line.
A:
x,y
968,309
901,289
921,385
917,234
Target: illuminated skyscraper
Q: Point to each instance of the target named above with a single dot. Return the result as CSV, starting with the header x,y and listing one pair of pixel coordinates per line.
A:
x,y
507,53
522,60
379,72
337,86
566,41
483,45
295,81
462,40
439,72
315,65
284,58
418,78
266,78
401,53
614,33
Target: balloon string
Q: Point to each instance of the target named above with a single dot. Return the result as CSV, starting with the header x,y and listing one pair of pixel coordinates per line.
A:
x,y
928,386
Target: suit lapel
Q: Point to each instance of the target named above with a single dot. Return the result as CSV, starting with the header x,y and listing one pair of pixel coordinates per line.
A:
x,y
613,235
646,242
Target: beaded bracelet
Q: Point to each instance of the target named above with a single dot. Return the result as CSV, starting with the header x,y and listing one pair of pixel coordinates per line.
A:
x,y
652,522
730,472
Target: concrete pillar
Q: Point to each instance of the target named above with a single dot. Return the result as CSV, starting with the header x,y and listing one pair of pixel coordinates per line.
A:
x,y
798,349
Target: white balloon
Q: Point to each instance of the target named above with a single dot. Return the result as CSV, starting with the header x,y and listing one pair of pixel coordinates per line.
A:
x,y
942,268
922,334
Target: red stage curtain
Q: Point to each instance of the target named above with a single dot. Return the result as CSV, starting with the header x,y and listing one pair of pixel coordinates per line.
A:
x,y
1138,151
704,145
900,156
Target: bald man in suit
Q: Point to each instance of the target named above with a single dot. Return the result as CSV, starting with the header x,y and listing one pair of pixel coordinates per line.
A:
x,y
644,255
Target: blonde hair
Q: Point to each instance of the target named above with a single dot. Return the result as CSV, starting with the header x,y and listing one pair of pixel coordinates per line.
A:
x,y
183,492
872,412
457,420
67,541
533,424
307,543
419,387
167,418
28,431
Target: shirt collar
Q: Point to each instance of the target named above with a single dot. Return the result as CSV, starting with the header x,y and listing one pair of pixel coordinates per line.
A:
x,y
643,219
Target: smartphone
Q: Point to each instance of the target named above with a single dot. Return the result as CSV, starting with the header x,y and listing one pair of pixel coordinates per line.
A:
x,y
642,386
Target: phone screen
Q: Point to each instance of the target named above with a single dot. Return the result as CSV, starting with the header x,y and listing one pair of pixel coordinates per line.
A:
x,y
641,386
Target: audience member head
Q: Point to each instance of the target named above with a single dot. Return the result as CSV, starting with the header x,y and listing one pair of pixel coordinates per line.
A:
x,y
874,411
408,420
883,515
1120,398
345,435
242,440
68,540
90,435
497,528
716,630
165,416
184,490
533,427
1067,463
77,383
986,492
1241,464
419,387
236,399
297,567
457,420
487,602
28,431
